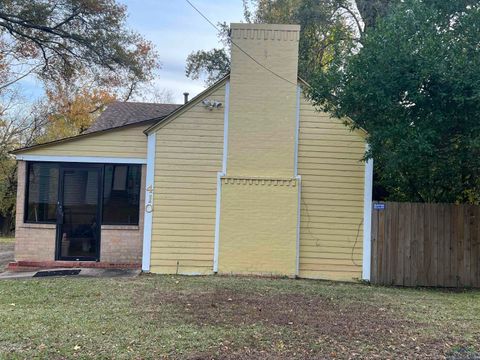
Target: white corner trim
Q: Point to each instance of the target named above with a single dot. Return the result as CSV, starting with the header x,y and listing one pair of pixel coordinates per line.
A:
x,y
299,208
149,202
225,127
219,177
217,221
82,159
297,130
299,179
367,220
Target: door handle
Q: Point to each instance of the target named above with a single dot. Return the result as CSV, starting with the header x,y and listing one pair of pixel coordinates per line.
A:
x,y
60,214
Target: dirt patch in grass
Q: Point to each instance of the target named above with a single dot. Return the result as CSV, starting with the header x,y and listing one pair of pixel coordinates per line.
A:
x,y
174,317
304,326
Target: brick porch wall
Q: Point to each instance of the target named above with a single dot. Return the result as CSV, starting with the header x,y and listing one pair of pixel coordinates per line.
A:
x,y
36,242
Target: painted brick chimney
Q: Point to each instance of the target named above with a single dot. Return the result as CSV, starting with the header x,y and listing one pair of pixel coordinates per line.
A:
x,y
260,190
262,105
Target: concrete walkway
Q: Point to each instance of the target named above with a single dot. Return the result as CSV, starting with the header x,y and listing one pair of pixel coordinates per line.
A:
x,y
83,273
7,254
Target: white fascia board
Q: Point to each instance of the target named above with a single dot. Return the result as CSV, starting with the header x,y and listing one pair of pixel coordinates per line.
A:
x,y
82,159
367,220
149,202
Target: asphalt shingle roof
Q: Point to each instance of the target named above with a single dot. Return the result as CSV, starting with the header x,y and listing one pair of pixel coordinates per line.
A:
x,y
125,113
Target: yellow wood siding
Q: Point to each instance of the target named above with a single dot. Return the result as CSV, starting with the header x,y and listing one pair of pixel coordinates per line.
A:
x,y
129,142
329,162
188,156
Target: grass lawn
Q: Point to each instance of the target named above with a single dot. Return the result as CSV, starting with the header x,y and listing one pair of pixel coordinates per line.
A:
x,y
151,317
7,240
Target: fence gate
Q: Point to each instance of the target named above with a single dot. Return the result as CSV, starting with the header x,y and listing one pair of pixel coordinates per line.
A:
x,y
415,244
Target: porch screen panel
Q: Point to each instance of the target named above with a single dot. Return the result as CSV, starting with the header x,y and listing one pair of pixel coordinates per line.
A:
x,y
42,196
121,194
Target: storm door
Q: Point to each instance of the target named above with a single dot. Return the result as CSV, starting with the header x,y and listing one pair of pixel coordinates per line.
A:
x,y
78,212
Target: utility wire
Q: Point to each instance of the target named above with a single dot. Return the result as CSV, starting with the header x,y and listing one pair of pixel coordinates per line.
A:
x,y
238,46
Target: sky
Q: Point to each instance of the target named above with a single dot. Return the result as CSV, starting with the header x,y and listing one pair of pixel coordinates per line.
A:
x,y
177,29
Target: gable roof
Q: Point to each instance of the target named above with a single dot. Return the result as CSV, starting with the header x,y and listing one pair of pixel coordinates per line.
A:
x,y
125,113
121,114
117,115
182,108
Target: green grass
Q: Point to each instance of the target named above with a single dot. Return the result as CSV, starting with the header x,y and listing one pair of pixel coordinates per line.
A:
x,y
151,317
7,240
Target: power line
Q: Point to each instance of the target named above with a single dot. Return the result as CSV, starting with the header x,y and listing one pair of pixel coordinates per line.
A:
x,y
201,14
238,46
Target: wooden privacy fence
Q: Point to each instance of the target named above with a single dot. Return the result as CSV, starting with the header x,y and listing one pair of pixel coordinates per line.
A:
x,y
416,244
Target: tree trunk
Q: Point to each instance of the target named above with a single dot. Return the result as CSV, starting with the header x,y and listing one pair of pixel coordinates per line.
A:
x,y
7,227
372,10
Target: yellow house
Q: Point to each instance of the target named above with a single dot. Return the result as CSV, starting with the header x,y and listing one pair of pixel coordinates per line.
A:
x,y
245,178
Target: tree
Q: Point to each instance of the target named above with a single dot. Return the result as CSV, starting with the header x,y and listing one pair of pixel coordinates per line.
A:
x,y
63,39
81,50
330,29
83,54
372,10
327,29
18,127
215,63
72,108
415,87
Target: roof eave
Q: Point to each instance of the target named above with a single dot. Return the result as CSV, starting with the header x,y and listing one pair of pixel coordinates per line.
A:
x,y
186,106
80,136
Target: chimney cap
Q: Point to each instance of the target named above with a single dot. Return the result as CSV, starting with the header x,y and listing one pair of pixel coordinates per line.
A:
x,y
185,97
278,27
